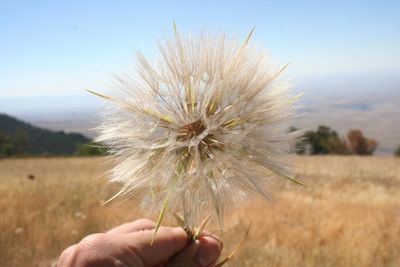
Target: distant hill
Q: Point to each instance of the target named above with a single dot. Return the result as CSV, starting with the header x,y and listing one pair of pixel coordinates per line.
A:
x,y
32,140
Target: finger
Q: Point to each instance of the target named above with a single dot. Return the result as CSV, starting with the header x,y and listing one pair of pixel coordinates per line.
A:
x,y
68,257
131,249
168,242
138,225
204,252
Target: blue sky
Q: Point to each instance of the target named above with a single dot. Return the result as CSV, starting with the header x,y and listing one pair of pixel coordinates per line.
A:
x,y
62,47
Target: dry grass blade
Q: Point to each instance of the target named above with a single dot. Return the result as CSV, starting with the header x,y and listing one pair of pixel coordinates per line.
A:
x,y
292,179
201,227
100,95
236,249
249,36
160,218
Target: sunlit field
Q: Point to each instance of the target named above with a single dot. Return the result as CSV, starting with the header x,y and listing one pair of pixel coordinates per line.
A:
x,y
347,215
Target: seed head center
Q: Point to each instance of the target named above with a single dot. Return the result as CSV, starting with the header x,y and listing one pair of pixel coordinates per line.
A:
x,y
191,130
205,142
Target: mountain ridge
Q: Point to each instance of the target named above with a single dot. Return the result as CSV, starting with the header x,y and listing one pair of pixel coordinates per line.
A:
x,y
39,141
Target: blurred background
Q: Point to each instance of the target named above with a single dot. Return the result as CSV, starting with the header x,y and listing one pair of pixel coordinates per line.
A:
x,y
343,55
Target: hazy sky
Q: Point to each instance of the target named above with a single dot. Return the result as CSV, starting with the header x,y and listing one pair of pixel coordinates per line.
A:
x,y
62,47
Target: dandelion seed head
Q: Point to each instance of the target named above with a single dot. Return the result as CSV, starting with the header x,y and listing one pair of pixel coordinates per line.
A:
x,y
201,127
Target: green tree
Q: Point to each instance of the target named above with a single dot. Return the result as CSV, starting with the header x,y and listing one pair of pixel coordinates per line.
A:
x,y
6,146
397,151
325,141
20,144
90,149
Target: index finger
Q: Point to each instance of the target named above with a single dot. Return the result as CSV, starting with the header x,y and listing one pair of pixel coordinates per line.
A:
x,y
167,243
138,225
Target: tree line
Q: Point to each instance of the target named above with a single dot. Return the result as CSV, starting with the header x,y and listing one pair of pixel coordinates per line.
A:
x,y
19,146
322,141
325,141
19,139
13,146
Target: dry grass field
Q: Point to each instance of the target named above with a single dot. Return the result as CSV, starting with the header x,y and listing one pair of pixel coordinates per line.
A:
x,y
348,215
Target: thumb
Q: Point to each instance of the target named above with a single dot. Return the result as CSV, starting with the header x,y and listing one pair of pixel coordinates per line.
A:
x,y
203,252
127,249
168,242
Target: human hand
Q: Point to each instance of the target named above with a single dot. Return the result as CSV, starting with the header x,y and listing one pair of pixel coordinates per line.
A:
x,y
128,245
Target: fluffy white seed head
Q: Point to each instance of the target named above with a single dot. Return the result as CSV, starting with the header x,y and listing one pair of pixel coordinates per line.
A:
x,y
201,128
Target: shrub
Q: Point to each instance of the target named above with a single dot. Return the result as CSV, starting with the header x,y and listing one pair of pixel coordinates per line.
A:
x,y
359,144
397,151
89,149
325,141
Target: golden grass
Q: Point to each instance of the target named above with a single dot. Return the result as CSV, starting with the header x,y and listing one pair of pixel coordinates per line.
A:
x,y
348,215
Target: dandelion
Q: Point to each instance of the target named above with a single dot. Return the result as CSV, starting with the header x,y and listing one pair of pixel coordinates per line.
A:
x,y
200,128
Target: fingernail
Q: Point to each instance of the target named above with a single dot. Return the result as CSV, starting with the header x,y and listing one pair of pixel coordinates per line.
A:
x,y
208,251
